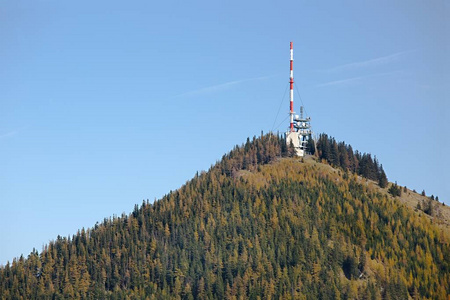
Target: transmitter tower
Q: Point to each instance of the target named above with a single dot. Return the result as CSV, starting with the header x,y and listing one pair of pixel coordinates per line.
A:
x,y
299,132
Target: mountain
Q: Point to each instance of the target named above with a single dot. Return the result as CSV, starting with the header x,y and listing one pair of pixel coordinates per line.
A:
x,y
259,224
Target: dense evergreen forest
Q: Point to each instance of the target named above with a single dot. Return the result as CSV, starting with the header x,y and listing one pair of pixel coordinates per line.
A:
x,y
342,155
260,224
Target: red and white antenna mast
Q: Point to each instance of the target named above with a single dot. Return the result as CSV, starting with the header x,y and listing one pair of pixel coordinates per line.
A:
x,y
299,133
291,95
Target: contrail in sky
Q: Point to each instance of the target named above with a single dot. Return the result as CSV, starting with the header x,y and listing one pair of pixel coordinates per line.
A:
x,y
8,134
354,79
370,62
220,87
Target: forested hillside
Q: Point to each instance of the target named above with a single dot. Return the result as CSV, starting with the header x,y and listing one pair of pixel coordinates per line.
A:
x,y
260,224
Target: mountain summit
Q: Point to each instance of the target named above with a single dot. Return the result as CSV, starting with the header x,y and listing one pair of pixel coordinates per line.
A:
x,y
259,224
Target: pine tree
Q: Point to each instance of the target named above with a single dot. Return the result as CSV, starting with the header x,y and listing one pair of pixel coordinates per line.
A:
x,y
382,179
311,147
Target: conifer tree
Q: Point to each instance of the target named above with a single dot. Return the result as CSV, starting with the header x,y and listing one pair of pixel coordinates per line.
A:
x,y
382,179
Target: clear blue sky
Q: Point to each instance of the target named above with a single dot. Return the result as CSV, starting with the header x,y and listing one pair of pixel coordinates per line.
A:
x,y
106,103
